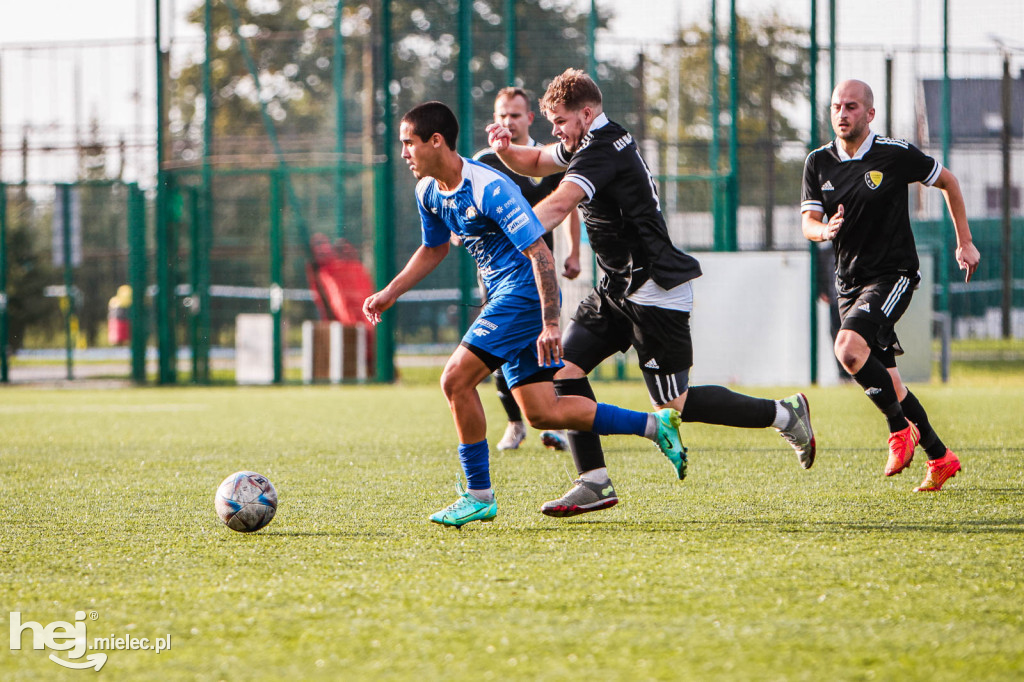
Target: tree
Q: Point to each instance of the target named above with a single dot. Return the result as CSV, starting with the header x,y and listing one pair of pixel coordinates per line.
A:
x,y
292,44
773,76
29,272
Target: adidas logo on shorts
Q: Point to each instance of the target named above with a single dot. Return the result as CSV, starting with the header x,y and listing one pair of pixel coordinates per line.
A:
x,y
651,364
866,307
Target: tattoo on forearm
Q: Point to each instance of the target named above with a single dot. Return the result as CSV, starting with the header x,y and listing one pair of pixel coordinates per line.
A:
x,y
547,283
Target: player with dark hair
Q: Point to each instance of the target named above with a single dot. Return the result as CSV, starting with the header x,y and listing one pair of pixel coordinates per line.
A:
x,y
518,330
512,110
645,297
859,180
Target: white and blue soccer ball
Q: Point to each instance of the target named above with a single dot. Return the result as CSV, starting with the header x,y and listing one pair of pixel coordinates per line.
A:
x,y
246,501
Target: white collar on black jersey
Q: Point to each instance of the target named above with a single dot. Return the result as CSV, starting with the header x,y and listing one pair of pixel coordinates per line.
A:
x,y
599,122
861,151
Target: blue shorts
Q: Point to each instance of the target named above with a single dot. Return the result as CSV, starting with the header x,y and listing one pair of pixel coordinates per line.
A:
x,y
507,328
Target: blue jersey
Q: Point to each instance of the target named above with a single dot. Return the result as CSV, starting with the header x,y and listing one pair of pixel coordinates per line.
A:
x,y
496,224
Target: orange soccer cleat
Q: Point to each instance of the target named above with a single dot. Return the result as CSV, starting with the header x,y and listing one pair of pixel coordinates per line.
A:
x,y
939,471
901,449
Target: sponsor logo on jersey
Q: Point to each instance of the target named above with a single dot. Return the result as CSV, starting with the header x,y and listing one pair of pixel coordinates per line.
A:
x,y
622,142
449,202
827,187
487,323
652,364
481,332
497,191
873,179
519,222
866,307
471,213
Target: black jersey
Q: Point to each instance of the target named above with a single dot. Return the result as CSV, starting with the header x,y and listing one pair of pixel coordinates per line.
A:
x,y
623,216
875,240
533,189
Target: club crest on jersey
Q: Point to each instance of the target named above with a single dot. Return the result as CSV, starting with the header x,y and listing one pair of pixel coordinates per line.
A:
x,y
873,179
470,213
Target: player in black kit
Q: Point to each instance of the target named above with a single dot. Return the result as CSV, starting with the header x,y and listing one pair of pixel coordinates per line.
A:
x,y
645,296
512,110
860,181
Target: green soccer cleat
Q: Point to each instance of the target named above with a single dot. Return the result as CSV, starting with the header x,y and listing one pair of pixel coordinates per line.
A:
x,y
465,509
668,439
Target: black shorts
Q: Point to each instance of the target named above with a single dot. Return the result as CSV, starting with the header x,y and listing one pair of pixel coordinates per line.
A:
x,y
660,336
873,310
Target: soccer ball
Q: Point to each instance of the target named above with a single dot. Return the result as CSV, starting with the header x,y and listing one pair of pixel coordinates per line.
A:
x,y
246,501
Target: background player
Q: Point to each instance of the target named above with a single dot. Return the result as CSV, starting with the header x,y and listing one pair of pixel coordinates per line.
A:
x,y
512,110
518,329
860,181
645,297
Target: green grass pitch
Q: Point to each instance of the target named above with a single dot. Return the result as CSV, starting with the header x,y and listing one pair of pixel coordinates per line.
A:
x,y
750,569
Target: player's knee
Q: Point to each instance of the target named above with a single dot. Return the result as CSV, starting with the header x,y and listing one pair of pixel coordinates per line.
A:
x,y
570,371
452,383
534,417
851,352
540,416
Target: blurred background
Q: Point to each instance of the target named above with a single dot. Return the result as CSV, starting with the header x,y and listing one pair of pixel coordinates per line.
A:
x,y
170,166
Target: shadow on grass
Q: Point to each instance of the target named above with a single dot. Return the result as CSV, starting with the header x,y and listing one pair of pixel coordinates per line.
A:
x,y
326,534
973,527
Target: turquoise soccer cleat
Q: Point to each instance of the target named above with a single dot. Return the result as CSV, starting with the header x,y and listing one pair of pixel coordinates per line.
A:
x,y
668,439
465,509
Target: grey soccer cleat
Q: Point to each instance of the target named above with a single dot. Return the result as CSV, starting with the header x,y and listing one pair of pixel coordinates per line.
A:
x,y
515,433
799,433
581,498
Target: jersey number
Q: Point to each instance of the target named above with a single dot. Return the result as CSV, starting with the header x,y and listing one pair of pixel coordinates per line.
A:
x,y
650,180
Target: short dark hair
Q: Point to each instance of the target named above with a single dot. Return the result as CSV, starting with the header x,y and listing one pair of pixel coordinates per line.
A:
x,y
433,117
573,88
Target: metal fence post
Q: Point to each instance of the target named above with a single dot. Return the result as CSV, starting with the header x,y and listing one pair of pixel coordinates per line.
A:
x,y
812,248
4,378
137,279
276,291
67,301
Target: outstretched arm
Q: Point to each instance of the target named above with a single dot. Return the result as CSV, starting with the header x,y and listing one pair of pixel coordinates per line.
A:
x,y
531,161
549,343
967,256
554,208
421,264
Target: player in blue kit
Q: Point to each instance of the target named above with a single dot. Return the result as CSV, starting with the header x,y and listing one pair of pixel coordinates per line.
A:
x,y
518,329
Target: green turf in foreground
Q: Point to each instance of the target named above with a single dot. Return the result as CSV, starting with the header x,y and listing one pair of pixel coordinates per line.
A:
x,y
750,569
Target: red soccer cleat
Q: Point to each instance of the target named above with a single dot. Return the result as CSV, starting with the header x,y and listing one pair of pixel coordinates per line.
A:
x,y
901,449
939,471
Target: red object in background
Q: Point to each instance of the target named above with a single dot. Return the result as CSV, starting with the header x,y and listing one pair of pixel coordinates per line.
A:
x,y
341,279
119,327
